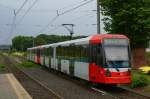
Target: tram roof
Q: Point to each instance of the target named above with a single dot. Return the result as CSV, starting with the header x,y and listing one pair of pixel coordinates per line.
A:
x,y
87,40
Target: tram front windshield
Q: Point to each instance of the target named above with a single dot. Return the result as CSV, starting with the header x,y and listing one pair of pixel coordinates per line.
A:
x,y
117,53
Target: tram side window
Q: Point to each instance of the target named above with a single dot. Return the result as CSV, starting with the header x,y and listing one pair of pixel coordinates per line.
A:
x,y
35,52
65,52
75,52
50,49
80,53
38,52
32,51
45,52
83,53
71,50
59,51
41,52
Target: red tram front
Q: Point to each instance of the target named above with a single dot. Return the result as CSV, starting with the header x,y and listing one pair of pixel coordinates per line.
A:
x,y
110,61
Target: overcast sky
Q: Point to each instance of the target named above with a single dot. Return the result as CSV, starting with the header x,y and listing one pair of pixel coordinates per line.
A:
x,y
43,12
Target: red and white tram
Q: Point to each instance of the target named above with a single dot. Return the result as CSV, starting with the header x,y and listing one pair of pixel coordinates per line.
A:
x,y
101,58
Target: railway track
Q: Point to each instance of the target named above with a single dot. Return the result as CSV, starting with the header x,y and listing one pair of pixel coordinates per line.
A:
x,y
114,92
120,92
117,92
35,88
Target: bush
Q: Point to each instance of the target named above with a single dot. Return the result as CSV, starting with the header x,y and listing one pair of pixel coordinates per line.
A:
x,y
138,80
18,54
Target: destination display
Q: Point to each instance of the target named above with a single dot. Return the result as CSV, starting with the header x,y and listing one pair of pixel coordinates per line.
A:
x,y
114,41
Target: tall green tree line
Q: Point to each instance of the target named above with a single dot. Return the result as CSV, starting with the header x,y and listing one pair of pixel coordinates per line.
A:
x,y
21,43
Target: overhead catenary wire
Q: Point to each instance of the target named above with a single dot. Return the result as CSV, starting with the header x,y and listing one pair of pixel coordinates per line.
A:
x,y
12,26
21,19
72,5
21,6
17,12
65,12
89,15
27,11
49,23
80,17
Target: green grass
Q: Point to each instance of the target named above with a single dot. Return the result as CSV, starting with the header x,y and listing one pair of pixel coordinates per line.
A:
x,y
2,67
139,79
27,64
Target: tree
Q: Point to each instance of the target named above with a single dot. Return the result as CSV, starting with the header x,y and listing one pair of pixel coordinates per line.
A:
x,y
131,18
21,43
40,39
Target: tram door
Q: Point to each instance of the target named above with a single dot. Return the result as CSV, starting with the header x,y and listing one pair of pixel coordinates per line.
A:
x,y
38,56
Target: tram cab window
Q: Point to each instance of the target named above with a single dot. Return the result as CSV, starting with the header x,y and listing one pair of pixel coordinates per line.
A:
x,y
96,54
117,53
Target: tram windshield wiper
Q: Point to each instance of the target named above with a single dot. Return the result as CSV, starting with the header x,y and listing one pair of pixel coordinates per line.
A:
x,y
113,64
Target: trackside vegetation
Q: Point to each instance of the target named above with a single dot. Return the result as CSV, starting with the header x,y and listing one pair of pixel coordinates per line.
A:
x,y
19,54
139,80
2,67
27,64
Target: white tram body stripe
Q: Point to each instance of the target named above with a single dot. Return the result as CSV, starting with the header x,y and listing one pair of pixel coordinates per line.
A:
x,y
81,70
46,61
120,69
56,64
28,57
33,57
65,66
52,63
42,60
